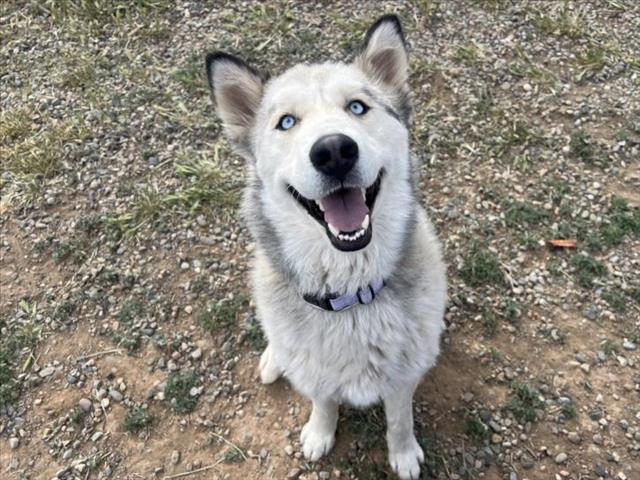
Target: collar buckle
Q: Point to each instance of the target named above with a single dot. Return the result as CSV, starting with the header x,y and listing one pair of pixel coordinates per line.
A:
x,y
338,303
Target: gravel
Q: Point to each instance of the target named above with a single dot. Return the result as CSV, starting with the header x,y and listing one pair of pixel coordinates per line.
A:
x,y
526,129
85,404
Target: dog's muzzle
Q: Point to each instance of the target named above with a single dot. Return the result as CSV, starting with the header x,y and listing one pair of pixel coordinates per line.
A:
x,y
345,214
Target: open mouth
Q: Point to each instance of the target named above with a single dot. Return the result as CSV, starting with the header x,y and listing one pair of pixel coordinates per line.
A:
x,y
345,214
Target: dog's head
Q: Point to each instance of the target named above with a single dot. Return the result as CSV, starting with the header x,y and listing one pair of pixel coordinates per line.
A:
x,y
331,138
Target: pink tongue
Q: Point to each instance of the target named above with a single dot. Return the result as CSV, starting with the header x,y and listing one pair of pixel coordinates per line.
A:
x,y
345,210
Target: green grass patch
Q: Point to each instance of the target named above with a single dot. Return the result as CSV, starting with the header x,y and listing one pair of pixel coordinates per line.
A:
x,y
485,103
82,75
146,207
511,310
587,270
524,402
490,322
616,300
569,411
493,5
426,7
30,160
495,355
600,54
528,241
19,336
233,455
622,221
557,190
130,310
522,214
469,53
522,162
254,334
475,429
177,392
593,60
222,314
351,28
90,224
525,67
77,416
204,188
101,11
198,284
9,386
582,147
205,184
127,339
481,267
562,21
136,419
367,425
15,125
517,133
64,310
74,249
610,347
41,155
191,77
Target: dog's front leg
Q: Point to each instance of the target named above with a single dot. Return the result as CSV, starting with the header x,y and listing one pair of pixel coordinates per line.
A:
x,y
405,455
318,435
269,371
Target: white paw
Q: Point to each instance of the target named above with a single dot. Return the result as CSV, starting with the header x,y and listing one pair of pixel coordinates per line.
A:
x,y
269,372
315,443
406,462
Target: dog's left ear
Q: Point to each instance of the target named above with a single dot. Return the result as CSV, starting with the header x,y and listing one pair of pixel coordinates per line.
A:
x,y
385,61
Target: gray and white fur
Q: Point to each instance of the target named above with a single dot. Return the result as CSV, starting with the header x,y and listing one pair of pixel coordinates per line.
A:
x,y
369,353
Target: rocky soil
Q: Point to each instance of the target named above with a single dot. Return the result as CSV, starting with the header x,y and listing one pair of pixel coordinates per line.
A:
x,y
128,340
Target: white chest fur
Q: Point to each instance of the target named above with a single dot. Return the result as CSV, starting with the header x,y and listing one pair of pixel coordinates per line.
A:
x,y
361,354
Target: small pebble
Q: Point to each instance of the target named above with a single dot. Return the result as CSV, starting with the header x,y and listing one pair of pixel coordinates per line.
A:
x,y
85,404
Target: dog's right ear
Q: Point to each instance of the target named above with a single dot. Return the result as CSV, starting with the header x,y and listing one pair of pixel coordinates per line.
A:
x,y
237,91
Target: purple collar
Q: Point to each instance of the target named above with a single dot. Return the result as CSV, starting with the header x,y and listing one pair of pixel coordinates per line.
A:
x,y
337,303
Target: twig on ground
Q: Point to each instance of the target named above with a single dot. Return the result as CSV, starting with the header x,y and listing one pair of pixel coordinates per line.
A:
x,y
98,354
237,448
192,472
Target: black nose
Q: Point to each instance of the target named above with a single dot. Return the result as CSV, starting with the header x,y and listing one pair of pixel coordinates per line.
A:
x,y
334,155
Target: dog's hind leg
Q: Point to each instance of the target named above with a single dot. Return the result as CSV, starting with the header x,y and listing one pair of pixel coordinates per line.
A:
x,y
319,433
269,371
405,455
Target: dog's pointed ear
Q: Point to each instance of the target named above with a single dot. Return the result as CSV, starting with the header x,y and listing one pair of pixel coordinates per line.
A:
x,y
237,91
385,61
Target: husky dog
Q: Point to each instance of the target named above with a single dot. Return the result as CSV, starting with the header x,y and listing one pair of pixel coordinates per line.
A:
x,y
348,277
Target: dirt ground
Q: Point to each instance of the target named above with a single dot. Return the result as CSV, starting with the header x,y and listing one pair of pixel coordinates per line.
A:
x,y
128,339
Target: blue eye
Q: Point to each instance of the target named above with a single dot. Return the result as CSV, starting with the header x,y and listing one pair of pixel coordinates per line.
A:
x,y
357,107
286,122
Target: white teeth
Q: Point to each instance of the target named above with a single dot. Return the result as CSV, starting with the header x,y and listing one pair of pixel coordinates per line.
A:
x,y
320,206
365,222
364,194
345,237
